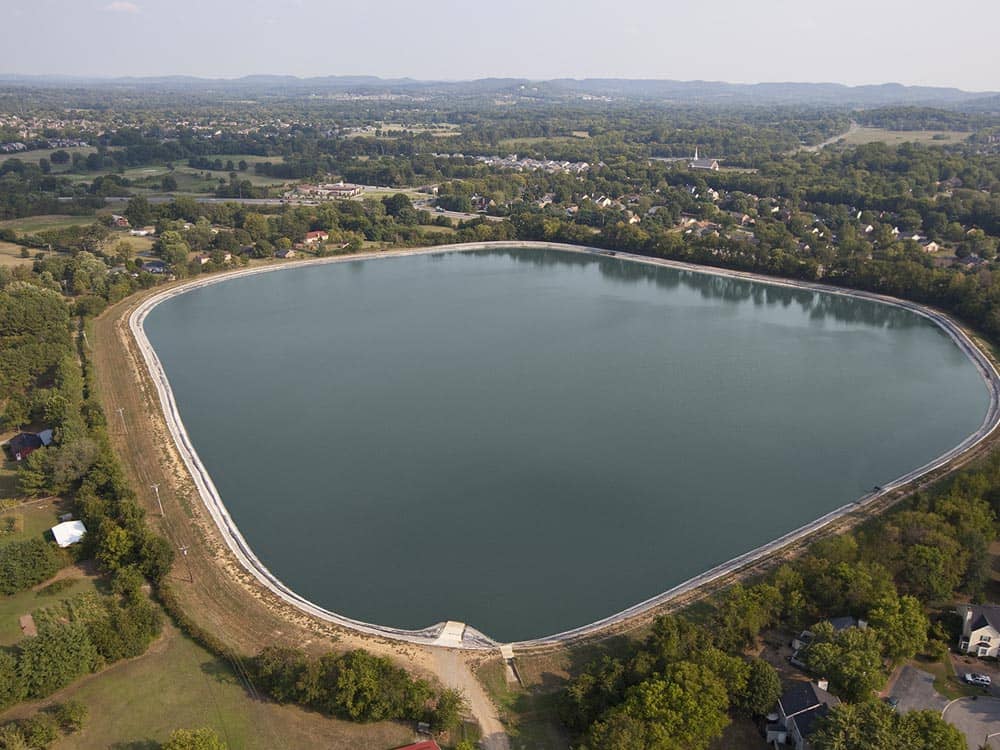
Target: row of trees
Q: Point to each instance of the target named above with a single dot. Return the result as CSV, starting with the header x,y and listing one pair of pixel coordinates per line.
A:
x,y
355,685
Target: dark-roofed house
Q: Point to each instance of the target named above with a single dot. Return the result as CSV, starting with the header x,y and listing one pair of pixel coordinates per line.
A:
x,y
23,444
800,708
980,629
154,266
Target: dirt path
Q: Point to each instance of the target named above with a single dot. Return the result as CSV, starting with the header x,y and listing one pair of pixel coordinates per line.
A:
x,y
451,666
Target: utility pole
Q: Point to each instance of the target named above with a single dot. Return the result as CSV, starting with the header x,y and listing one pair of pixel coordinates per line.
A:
x,y
184,552
156,489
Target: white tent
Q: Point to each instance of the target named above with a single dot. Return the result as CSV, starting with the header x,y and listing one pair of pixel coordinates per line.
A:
x,y
68,532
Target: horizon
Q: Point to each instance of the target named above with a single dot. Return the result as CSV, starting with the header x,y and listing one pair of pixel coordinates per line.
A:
x,y
855,45
56,76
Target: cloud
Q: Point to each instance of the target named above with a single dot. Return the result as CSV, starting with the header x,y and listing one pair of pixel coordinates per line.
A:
x,y
120,6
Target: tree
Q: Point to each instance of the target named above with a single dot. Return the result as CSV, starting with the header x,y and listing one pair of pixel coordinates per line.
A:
x,y
70,715
396,204
59,157
763,688
12,689
873,725
447,714
138,211
25,563
852,660
172,247
684,707
123,251
902,626
194,739
54,658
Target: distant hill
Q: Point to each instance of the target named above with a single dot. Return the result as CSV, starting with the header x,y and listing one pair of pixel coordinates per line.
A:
x,y
681,92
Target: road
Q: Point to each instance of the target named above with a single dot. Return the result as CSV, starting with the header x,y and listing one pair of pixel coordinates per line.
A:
x,y
829,141
977,718
454,672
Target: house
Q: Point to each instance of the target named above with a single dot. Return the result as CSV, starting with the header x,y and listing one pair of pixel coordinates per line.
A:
x,y
143,232
288,253
204,259
804,639
425,745
68,532
980,629
24,444
154,266
699,163
799,710
930,246
317,236
119,221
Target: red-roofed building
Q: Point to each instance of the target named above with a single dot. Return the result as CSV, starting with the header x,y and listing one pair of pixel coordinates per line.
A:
x,y
425,745
318,236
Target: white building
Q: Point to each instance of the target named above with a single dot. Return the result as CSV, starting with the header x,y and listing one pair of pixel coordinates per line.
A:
x,y
68,532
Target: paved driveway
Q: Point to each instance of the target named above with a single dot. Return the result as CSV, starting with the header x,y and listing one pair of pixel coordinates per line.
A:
x,y
978,718
915,690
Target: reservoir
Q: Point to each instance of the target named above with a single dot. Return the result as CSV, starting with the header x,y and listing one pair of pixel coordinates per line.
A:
x,y
530,440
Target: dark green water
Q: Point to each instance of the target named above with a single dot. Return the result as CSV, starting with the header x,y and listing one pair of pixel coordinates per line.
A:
x,y
529,440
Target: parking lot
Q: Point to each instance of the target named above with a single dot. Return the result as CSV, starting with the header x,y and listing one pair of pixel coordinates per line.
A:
x,y
914,689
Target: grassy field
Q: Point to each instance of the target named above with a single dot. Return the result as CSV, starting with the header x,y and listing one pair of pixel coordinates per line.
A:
x,y
33,519
895,137
31,224
137,703
34,157
513,144
10,255
26,602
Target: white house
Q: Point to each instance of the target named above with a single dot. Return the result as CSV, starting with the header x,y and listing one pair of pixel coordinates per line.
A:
x,y
980,629
68,532
800,707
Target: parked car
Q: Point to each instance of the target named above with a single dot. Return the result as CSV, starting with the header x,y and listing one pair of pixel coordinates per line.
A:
x,y
974,678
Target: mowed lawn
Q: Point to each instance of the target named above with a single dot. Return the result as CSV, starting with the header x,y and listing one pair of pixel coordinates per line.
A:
x,y
41,223
178,684
33,157
895,137
28,602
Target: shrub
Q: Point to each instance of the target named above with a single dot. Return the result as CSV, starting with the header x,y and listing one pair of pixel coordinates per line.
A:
x,y
23,564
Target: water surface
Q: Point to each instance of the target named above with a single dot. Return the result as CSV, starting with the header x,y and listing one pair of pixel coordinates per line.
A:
x,y
530,440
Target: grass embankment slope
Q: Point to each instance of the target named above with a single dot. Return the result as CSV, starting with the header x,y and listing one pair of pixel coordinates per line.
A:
x,y
176,683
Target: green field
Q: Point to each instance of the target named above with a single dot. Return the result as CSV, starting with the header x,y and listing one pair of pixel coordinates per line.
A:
x,y
31,224
33,520
513,144
34,157
26,602
861,136
137,703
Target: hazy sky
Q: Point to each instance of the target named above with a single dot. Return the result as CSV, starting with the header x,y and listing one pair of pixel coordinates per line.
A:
x,y
847,41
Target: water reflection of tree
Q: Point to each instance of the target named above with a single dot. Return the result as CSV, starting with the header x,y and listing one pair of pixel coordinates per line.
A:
x,y
727,289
